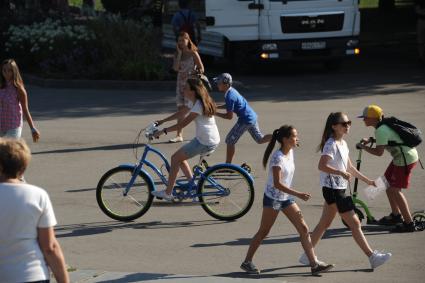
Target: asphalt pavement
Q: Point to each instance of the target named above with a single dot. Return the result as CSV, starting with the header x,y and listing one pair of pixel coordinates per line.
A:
x,y
85,132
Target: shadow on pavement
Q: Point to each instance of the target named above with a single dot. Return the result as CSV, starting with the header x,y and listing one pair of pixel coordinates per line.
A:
x,y
294,238
93,228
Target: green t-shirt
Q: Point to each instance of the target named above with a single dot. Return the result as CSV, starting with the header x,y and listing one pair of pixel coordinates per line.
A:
x,y
384,134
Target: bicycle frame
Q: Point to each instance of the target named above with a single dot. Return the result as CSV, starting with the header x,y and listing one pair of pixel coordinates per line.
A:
x,y
189,187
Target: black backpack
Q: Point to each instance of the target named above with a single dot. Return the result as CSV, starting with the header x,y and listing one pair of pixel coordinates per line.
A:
x,y
410,135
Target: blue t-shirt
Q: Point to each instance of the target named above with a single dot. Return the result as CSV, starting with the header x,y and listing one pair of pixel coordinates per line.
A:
x,y
181,16
237,104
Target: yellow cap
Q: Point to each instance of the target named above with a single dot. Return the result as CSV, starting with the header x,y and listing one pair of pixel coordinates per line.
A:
x,y
372,111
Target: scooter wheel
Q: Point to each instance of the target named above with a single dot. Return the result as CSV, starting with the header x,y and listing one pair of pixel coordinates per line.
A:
x,y
419,220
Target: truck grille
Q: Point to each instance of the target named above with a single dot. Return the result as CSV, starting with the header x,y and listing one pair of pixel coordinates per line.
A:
x,y
319,23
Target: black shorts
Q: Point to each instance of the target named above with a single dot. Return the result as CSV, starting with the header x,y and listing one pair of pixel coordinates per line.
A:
x,y
343,203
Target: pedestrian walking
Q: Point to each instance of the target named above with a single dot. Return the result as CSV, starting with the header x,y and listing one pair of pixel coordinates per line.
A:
x,y
187,62
28,246
207,136
235,103
279,196
399,171
336,171
14,103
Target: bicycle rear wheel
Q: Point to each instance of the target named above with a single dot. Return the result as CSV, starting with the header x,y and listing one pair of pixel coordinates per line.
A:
x,y
112,200
226,192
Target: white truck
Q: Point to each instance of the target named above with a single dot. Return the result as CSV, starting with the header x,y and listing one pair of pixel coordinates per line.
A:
x,y
246,30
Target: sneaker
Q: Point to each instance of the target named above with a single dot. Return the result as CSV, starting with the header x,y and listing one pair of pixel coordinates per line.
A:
x,y
390,220
321,268
304,260
176,139
249,267
378,259
163,195
404,228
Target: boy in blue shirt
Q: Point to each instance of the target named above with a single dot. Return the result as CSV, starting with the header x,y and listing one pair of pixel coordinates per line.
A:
x,y
247,118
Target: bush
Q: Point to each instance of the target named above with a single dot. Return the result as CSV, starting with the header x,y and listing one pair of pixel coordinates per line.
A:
x,y
51,46
120,6
126,49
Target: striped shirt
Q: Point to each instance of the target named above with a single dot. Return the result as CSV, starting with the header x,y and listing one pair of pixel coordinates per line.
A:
x,y
10,108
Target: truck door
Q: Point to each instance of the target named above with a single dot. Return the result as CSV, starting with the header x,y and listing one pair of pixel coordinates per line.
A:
x,y
295,19
238,20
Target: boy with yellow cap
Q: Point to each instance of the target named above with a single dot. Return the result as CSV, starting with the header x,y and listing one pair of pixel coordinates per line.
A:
x,y
399,170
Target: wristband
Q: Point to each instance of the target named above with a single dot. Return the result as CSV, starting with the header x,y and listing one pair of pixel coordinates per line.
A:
x,y
33,130
165,130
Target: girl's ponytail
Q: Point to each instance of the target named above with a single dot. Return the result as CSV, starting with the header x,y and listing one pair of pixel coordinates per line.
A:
x,y
270,147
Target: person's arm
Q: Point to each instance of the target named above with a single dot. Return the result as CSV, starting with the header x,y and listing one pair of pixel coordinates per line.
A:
x,y
277,183
23,100
186,121
378,150
324,167
353,170
198,62
53,254
182,112
228,115
177,58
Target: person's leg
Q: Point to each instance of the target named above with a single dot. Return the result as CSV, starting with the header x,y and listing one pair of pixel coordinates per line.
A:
x,y
353,223
180,118
232,138
176,159
187,171
395,210
256,134
294,215
328,215
402,204
267,220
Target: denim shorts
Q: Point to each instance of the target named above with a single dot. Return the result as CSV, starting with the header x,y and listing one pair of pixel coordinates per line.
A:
x,y
194,147
240,128
277,204
12,133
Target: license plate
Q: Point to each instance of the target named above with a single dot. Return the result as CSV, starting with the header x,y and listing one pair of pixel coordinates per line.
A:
x,y
313,45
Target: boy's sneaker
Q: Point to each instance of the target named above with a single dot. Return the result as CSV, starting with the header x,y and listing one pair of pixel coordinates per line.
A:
x,y
390,220
378,259
163,195
321,267
304,260
404,228
249,267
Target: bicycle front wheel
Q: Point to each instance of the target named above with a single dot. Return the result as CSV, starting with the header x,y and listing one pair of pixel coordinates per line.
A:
x,y
226,192
111,197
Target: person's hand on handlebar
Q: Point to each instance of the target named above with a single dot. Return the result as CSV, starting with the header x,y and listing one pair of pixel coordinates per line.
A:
x,y
157,134
364,142
159,122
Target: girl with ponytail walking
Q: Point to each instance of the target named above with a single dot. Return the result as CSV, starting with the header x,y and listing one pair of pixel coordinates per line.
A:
x,y
279,196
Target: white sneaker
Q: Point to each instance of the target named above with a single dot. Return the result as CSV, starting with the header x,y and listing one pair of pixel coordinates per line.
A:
x,y
162,194
176,139
304,260
378,259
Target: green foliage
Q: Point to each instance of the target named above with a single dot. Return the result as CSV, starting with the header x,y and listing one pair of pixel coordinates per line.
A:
x,y
78,3
126,49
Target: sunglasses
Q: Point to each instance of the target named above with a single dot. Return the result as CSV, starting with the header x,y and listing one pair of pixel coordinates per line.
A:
x,y
345,123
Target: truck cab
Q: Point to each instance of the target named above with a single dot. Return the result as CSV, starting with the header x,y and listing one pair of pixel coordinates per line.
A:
x,y
279,29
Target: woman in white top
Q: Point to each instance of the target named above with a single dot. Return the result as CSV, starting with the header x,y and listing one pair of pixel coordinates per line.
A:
x,y
279,196
207,137
28,245
336,170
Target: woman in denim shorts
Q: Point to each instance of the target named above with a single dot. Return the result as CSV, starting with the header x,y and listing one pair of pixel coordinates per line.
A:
x,y
279,196
207,136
